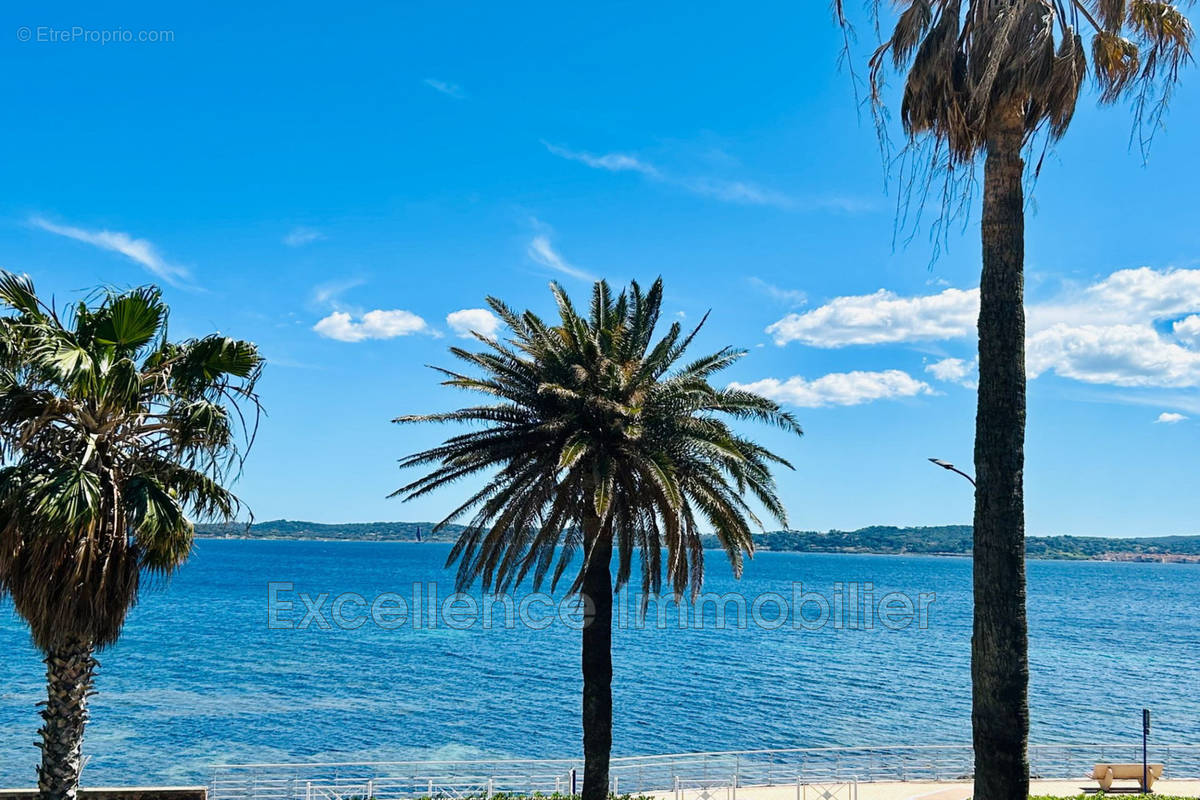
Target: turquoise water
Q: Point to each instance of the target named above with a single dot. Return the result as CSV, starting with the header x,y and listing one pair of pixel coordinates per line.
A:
x,y
201,677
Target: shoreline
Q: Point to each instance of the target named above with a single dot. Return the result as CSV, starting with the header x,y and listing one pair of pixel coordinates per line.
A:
x,y
939,541
1115,558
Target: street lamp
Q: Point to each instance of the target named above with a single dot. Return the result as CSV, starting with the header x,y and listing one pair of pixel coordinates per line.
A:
x,y
952,468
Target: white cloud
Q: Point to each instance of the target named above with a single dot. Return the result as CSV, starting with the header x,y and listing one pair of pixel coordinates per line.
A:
x,y
1182,399
446,88
541,251
1126,296
376,324
1187,330
1119,355
739,192
613,162
839,388
466,321
1170,418
880,318
329,294
953,370
791,297
300,236
1145,292
729,191
139,250
1135,328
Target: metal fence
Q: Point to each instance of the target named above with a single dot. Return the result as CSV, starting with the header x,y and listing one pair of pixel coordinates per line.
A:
x,y
389,780
664,774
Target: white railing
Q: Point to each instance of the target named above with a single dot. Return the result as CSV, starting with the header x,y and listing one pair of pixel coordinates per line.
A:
x,y
389,780
453,780
812,764
826,791
707,789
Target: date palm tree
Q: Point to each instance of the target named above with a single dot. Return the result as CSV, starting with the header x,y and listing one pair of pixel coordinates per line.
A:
x,y
597,440
983,78
112,437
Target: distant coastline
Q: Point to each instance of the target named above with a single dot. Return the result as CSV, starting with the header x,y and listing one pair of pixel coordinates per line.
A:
x,y
940,540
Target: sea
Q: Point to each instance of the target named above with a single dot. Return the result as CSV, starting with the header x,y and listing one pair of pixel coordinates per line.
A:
x,y
282,651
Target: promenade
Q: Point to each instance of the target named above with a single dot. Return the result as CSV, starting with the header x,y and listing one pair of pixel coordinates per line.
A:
x,y
926,790
904,772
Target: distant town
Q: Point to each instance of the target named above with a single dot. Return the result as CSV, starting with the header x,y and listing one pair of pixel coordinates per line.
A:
x,y
940,540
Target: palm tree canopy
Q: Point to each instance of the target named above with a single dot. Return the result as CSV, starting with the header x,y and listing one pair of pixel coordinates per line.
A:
x,y
112,436
595,421
969,61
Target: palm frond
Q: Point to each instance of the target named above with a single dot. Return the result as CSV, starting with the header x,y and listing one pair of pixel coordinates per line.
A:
x,y
968,65
116,439
601,437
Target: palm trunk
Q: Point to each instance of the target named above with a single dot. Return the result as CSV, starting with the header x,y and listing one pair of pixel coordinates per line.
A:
x,y
999,646
597,663
69,669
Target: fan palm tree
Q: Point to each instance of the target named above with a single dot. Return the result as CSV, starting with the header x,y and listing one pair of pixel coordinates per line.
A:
x,y
112,435
599,440
984,77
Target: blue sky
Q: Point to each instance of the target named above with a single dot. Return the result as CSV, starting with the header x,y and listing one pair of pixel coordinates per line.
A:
x,y
345,191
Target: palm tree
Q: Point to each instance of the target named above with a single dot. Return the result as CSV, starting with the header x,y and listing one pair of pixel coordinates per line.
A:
x,y
597,441
986,77
111,435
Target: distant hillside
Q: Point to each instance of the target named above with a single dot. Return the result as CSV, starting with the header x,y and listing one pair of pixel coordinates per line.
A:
x,y
1153,548
349,531
943,539
881,539
956,540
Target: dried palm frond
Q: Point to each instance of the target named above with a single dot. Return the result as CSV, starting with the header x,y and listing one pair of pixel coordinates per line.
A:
x,y
1111,13
969,63
1115,63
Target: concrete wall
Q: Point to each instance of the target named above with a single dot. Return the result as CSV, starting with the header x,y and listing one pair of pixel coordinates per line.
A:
x,y
121,793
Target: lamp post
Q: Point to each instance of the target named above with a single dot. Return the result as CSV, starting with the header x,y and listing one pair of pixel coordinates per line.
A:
x,y
1145,765
952,468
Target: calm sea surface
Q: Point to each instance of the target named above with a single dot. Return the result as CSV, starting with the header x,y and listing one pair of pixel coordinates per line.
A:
x,y
200,677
